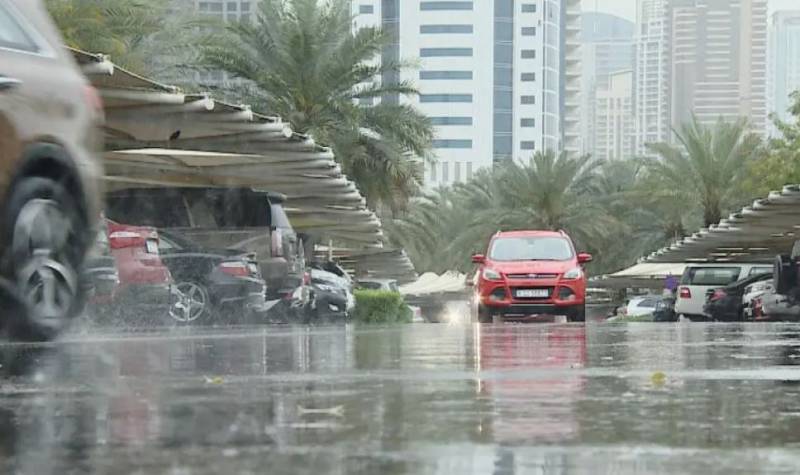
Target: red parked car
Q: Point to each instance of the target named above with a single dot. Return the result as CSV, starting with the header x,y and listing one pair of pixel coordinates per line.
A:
x,y
145,291
527,274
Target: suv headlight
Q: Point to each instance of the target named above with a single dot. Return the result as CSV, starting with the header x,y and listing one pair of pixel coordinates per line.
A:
x,y
572,274
491,274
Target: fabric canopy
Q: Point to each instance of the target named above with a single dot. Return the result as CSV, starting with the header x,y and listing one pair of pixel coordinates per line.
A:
x,y
157,135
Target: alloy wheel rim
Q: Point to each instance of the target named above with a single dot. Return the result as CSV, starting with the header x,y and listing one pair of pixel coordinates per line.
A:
x,y
39,247
191,304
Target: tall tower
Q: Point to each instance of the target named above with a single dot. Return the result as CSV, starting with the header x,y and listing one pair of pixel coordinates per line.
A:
x,y
784,63
651,74
719,61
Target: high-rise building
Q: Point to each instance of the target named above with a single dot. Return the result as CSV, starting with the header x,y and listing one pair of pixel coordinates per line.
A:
x,y
496,77
701,58
607,47
719,61
784,67
651,74
572,77
225,10
613,128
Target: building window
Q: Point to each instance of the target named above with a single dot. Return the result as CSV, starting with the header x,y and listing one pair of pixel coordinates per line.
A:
x,y
528,100
445,172
469,170
452,143
428,98
527,145
427,6
528,8
527,122
503,145
528,31
210,7
434,166
503,123
245,6
528,77
457,171
503,100
366,101
444,52
232,6
528,54
503,53
444,29
433,75
366,9
451,120
503,76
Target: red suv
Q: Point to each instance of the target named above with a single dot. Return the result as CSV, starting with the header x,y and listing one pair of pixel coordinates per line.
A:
x,y
527,274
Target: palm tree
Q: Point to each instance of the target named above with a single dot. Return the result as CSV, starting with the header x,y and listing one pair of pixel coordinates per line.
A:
x,y
549,192
706,167
301,60
645,223
136,34
555,191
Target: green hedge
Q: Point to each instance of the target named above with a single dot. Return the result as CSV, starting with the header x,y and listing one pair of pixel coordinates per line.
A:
x,y
380,306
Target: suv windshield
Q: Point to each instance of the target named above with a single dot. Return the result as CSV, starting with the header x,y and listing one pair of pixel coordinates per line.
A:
x,y
530,249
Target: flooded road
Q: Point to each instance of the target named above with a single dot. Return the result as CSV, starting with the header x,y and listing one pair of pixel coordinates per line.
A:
x,y
415,399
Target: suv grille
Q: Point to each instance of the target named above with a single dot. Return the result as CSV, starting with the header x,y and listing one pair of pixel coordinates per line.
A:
x,y
532,276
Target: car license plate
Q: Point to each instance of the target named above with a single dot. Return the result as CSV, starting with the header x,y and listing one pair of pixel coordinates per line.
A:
x,y
532,293
151,246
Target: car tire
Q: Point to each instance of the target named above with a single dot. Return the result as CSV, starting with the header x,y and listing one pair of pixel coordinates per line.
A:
x,y
44,240
485,315
784,274
577,314
194,306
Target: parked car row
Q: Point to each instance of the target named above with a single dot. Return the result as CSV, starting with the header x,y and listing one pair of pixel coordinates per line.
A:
x,y
716,287
199,255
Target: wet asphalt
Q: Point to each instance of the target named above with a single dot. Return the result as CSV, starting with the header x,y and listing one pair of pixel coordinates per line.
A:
x,y
416,399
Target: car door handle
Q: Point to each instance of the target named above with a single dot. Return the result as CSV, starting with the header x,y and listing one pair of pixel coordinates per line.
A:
x,y
7,83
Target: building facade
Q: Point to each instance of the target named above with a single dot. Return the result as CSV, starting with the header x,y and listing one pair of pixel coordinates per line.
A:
x,y
651,74
719,61
701,58
784,61
607,48
492,75
225,10
614,125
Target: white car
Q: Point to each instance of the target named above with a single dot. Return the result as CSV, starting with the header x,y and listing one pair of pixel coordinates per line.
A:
x,y
643,305
752,292
698,279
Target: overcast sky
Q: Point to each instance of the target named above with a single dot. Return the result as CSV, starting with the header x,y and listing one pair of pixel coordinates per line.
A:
x,y
627,8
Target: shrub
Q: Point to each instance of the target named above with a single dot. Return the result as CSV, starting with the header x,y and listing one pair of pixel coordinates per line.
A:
x,y
379,306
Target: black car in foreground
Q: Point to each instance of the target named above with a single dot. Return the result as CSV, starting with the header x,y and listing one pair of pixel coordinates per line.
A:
x,y
213,283
725,303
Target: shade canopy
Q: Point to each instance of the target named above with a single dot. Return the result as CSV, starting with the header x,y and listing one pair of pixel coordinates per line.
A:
x,y
157,135
756,233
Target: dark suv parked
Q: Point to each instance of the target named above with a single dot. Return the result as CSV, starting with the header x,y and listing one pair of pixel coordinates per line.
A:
x,y
222,218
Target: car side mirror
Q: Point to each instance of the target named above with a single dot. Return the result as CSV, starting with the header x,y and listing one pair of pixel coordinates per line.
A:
x,y
478,259
584,257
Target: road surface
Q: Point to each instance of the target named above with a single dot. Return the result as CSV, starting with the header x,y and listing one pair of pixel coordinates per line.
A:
x,y
415,399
